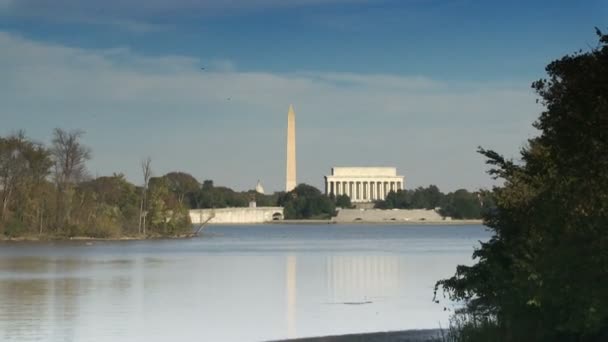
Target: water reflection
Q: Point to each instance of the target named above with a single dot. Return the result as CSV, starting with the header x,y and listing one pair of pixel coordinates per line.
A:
x,y
291,285
353,279
243,291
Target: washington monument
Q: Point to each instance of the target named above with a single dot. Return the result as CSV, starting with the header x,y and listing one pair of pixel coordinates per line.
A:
x,y
290,182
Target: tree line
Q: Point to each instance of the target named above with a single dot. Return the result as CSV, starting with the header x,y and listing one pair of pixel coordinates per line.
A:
x,y
307,202
460,204
46,191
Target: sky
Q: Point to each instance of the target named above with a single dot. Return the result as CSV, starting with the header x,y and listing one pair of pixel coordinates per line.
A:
x,y
415,84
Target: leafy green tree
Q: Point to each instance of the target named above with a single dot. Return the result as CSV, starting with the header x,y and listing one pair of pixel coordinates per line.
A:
x,y
343,201
109,207
426,198
462,204
167,215
24,166
269,200
306,202
543,275
182,184
400,199
207,184
159,211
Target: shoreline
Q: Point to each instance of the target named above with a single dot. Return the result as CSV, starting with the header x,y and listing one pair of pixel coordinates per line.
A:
x,y
381,223
420,335
47,238
89,238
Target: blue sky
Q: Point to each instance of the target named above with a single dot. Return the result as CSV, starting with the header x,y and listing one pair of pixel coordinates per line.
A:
x,y
416,84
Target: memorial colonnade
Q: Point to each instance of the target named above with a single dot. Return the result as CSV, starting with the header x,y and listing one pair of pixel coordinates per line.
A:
x,y
363,184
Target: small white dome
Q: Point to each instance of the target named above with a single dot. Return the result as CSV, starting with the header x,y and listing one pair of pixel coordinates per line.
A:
x,y
259,188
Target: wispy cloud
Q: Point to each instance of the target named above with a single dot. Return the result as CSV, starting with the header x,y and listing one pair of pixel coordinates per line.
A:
x,y
228,125
135,8
140,16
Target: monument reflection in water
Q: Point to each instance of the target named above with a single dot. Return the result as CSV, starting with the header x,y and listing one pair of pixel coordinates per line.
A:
x,y
236,284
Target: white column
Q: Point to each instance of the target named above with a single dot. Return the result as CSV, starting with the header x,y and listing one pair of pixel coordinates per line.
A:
x,y
376,192
361,190
372,193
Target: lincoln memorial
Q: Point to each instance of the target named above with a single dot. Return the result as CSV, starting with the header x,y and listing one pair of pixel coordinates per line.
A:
x,y
363,184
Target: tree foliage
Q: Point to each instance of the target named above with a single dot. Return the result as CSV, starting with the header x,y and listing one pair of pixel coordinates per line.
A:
x,y
24,166
70,203
543,276
210,196
460,204
343,201
306,202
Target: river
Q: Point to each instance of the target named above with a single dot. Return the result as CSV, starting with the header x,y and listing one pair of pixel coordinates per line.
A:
x,y
234,283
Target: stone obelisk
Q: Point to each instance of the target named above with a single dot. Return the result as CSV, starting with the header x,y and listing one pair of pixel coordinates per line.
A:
x,y
290,183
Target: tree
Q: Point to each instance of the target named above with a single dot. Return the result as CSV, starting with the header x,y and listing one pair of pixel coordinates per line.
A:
x,y
207,184
109,207
305,202
70,158
182,184
343,201
24,166
146,170
461,204
544,273
167,215
427,198
13,168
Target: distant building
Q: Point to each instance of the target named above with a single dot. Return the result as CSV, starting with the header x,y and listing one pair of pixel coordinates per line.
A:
x,y
259,188
363,184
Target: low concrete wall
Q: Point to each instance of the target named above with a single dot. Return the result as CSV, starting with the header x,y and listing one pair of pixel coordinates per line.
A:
x,y
391,215
236,215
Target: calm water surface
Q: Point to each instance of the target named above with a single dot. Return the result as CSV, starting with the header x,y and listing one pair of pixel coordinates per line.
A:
x,y
236,283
